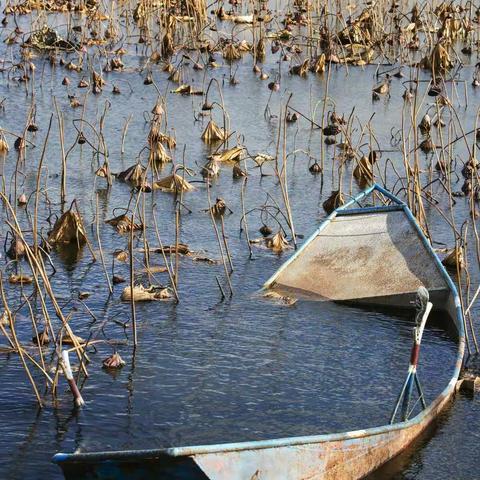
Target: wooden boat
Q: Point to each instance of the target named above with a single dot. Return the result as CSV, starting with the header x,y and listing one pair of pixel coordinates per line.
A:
x,y
375,254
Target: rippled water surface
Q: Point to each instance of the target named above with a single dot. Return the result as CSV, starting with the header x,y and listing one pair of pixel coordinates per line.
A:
x,y
209,370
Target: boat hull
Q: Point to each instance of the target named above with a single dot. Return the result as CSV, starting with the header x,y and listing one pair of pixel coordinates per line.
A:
x,y
349,455
332,460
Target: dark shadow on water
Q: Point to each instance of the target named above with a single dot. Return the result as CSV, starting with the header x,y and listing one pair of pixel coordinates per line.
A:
x,y
438,318
70,255
160,468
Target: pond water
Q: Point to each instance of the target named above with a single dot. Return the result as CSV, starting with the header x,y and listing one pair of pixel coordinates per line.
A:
x,y
208,369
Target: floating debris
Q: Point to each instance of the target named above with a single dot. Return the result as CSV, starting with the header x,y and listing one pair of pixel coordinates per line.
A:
x,y
278,242
282,299
47,38
113,361
123,224
42,339
145,294
20,278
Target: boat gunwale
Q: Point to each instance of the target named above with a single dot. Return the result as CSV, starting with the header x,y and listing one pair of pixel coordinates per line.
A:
x,y
425,416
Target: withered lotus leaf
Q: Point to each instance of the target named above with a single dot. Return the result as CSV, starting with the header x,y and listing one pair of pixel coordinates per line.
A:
x,y
427,145
103,171
454,258
4,320
167,45
261,51
113,361
230,155
158,154
134,175
219,208
68,229
470,167
182,249
20,278
167,140
319,64
265,230
213,133
176,77
363,172
123,224
261,158
425,124
121,255
4,148
277,243
335,200
382,88
144,294
284,299
16,249
42,339
231,52
158,110
301,69
244,46
238,172
173,183
438,62
211,168
331,130
186,90
71,339
315,168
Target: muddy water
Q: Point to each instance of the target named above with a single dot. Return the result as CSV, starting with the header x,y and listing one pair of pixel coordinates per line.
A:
x,y
208,370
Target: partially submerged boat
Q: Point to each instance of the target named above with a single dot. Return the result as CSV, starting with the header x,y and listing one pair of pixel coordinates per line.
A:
x,y
367,254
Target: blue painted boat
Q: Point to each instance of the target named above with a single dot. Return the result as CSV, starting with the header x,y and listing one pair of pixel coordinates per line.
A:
x,y
377,255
